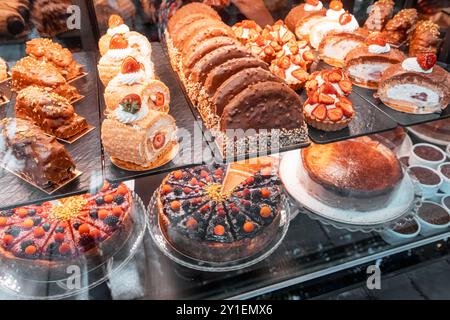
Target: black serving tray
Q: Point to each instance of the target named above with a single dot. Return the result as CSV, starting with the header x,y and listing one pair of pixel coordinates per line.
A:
x,y
193,151
86,152
402,118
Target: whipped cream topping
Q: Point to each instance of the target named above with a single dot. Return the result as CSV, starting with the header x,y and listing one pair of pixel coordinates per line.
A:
x,y
309,7
245,33
130,78
121,29
118,54
353,25
411,64
127,117
320,29
333,14
376,49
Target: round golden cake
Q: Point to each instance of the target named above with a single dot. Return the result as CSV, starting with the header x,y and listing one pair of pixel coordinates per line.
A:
x,y
360,167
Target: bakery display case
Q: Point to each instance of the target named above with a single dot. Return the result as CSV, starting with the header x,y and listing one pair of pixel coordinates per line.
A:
x,y
225,160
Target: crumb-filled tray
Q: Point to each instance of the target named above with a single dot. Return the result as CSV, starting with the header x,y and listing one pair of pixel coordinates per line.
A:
x,y
86,151
192,146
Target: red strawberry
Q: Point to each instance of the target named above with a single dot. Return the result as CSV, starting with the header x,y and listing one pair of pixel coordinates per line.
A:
x,y
302,43
308,56
376,39
334,76
346,86
325,99
159,99
320,112
314,98
347,109
275,46
118,41
114,21
279,72
260,41
300,74
336,5
293,48
327,88
249,24
311,86
426,60
298,61
345,18
335,114
131,103
130,65
312,2
158,140
284,62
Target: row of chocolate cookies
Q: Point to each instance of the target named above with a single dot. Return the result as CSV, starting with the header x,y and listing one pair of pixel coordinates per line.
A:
x,y
232,88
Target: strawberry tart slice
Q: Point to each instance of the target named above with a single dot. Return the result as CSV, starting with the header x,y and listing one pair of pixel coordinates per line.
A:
x,y
327,108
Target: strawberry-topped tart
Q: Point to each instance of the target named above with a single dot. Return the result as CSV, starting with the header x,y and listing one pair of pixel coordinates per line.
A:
x,y
55,234
327,107
247,31
417,85
366,64
292,63
221,212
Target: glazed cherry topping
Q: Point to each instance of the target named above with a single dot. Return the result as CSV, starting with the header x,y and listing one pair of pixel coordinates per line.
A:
x,y
219,230
115,21
265,212
248,227
118,41
426,60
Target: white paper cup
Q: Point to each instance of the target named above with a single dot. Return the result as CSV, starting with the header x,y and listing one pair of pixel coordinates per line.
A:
x,y
445,187
414,159
394,237
428,191
428,228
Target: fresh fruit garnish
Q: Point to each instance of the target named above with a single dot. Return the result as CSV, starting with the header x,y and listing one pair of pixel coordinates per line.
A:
x,y
298,60
39,232
275,45
300,74
311,86
320,112
308,56
166,189
204,208
346,86
269,51
325,99
28,223
3,221
284,62
114,21
117,211
22,212
64,248
105,186
334,76
193,181
218,172
327,88
203,174
376,39
248,227
59,237
94,233
293,48
130,65
159,140
250,24
279,72
219,230
336,5
312,2
103,213
347,108
178,174
8,239
345,18
335,114
196,200
191,223
131,103
108,198
159,100
118,41
426,60
314,98
265,193
187,190
175,205
30,250
265,212
84,228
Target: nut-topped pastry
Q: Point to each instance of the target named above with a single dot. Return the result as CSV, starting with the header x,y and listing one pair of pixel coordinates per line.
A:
x,y
220,213
425,38
300,19
397,29
380,12
132,78
365,65
51,112
361,169
327,107
3,70
51,52
417,85
30,71
136,135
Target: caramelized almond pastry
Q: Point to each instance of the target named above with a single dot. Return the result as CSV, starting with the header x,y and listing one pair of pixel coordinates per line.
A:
x,y
425,38
397,29
417,85
380,12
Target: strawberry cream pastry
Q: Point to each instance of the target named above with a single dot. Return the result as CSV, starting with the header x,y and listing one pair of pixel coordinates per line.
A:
x,y
247,31
301,18
134,79
327,108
